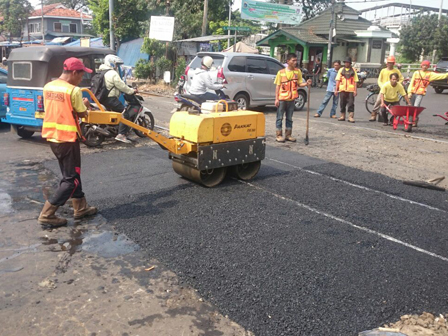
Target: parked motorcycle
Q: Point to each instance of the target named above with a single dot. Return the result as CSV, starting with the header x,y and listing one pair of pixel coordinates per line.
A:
x,y
362,76
95,134
324,80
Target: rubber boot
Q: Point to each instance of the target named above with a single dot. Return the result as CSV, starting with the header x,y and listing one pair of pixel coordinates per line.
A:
x,y
279,136
48,218
351,117
82,209
342,117
372,116
288,136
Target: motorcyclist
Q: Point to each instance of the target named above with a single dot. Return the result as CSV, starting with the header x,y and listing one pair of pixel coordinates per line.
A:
x,y
115,84
203,81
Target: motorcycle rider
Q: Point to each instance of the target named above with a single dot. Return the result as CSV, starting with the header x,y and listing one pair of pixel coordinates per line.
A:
x,y
203,81
115,84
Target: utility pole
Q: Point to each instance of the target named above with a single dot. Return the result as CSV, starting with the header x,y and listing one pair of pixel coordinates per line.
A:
x,y
204,19
330,35
440,18
111,26
230,18
42,24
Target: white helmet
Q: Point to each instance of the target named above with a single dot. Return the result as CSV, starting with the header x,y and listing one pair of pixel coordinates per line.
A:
x,y
112,60
207,61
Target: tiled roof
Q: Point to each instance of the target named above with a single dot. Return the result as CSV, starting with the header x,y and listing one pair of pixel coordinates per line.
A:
x,y
59,10
305,35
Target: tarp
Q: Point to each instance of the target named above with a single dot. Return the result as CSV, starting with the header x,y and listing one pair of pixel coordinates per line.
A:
x,y
130,52
242,48
96,42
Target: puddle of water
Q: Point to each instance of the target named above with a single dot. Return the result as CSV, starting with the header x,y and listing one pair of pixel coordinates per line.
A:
x,y
109,245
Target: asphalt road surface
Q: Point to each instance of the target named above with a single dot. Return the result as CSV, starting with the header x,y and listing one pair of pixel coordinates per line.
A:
x,y
306,248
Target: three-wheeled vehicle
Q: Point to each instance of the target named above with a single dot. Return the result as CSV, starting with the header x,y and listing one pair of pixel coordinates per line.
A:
x,y
29,69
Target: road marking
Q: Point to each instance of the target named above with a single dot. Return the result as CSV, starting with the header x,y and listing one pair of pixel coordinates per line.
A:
x,y
381,131
361,187
376,233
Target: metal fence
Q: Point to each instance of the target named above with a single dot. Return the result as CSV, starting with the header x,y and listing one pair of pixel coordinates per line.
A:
x,y
407,69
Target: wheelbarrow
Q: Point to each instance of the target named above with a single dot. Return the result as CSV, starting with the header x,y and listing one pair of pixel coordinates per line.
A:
x,y
444,117
404,115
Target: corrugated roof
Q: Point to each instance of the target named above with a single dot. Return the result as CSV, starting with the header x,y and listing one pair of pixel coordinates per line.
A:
x,y
59,10
299,35
130,52
96,42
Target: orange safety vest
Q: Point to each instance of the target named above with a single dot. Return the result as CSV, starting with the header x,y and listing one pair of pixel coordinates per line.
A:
x,y
288,88
421,83
59,121
347,81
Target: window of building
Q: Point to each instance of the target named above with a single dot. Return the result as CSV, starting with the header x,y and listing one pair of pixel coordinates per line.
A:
x,y
34,27
57,27
73,28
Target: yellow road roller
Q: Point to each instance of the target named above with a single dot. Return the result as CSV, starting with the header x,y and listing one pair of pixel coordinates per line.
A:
x,y
205,146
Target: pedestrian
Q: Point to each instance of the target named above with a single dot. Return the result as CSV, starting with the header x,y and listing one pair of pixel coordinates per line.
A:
x,y
287,83
420,82
346,80
316,72
331,75
63,105
390,95
383,78
115,85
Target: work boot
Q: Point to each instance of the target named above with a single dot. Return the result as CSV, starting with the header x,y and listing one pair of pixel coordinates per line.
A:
x,y
47,217
279,136
351,117
372,116
342,117
82,209
288,136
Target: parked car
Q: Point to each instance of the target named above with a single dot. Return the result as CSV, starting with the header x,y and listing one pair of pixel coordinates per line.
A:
x,y
248,78
3,78
441,67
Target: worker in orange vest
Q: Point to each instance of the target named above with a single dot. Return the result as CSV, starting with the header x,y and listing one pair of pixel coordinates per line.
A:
x,y
346,80
63,104
288,81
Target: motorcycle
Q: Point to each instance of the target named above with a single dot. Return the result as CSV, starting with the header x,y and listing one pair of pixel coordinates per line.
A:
x,y
95,134
362,76
324,80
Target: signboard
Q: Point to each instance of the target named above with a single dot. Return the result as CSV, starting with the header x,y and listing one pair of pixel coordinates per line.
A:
x,y
236,28
270,12
161,28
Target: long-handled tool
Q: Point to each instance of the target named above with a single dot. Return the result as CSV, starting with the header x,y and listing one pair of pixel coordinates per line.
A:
x,y
307,117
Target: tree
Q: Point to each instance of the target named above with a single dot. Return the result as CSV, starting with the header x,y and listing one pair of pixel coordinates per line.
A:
x,y
423,35
129,19
15,14
73,4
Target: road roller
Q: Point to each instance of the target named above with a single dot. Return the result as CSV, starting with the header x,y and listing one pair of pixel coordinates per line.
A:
x,y
205,147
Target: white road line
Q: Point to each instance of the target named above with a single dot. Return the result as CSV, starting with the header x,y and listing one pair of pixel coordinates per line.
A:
x,y
407,135
384,236
361,187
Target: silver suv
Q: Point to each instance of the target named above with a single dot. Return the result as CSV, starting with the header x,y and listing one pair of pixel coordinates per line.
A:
x,y
248,78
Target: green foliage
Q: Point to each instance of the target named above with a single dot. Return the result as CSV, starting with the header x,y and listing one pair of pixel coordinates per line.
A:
x,y
179,69
164,64
128,19
423,35
153,47
73,4
15,14
144,69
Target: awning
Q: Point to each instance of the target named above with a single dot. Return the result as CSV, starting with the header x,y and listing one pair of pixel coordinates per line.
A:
x,y
350,40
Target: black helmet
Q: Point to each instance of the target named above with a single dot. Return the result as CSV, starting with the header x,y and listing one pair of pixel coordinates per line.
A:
x,y
348,60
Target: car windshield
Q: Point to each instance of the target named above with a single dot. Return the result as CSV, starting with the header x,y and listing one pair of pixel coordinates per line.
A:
x,y
443,64
217,62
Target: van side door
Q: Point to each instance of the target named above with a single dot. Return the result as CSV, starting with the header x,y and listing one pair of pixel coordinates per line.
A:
x,y
258,80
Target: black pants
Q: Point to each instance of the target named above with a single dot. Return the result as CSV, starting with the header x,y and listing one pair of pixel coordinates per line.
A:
x,y
69,158
113,104
384,111
347,100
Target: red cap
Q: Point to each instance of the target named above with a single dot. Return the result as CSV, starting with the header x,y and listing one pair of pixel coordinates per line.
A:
x,y
74,63
428,63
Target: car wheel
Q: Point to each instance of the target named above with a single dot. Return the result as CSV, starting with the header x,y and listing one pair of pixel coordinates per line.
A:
x,y
299,103
242,100
438,90
21,132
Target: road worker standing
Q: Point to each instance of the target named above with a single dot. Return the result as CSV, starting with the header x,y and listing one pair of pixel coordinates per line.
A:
x,y
420,81
346,80
384,78
63,105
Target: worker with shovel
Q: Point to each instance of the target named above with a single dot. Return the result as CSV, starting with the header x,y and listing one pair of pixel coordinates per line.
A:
x,y
288,81
346,80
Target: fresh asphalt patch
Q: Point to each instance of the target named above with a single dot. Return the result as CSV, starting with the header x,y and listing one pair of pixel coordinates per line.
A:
x,y
288,253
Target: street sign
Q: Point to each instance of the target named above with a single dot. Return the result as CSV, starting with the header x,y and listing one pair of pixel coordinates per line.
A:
x,y
271,12
161,28
236,28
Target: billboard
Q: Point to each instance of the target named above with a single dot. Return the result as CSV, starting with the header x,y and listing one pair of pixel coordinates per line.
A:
x,y
161,28
270,12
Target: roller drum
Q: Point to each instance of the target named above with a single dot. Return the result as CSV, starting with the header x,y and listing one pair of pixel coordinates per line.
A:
x,y
208,178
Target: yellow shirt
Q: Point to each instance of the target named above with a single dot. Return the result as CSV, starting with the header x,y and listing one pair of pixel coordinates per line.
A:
x,y
338,76
384,76
289,76
432,77
77,104
391,93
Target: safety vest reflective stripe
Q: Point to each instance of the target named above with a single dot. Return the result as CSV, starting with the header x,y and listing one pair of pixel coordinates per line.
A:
x,y
421,83
60,127
288,88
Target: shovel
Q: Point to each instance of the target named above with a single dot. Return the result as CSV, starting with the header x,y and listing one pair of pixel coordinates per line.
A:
x,y
307,117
